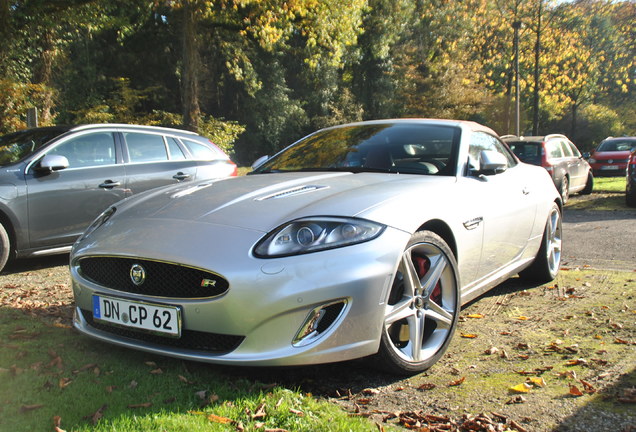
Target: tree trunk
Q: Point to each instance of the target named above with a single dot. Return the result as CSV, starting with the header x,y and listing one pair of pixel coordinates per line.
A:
x,y
537,74
44,75
191,62
5,36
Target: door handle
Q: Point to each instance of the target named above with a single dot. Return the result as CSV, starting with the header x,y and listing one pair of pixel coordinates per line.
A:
x,y
181,176
109,184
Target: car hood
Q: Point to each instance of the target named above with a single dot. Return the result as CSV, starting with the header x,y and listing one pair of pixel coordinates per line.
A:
x,y
265,201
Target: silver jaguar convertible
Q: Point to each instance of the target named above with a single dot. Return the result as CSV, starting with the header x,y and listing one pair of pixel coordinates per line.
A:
x,y
361,240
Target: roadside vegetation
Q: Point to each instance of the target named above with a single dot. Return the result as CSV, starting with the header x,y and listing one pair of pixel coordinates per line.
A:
x,y
256,76
608,195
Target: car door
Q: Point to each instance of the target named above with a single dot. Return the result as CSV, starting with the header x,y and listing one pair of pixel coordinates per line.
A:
x,y
506,205
576,166
61,204
154,160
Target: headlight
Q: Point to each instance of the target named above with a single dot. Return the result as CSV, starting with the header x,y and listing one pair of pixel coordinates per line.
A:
x,y
315,234
101,220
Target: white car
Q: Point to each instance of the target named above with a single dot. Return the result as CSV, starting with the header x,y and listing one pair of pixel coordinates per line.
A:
x,y
358,240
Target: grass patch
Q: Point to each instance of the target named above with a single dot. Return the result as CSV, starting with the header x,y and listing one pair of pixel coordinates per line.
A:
x,y
610,184
50,370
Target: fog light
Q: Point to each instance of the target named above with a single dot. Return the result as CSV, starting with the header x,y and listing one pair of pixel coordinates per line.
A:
x,y
318,321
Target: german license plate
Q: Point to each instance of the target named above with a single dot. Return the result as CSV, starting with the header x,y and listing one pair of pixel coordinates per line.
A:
x,y
139,315
609,167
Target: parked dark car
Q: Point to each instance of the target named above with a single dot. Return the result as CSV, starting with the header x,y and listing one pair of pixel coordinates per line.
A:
x,y
54,181
630,189
611,156
570,172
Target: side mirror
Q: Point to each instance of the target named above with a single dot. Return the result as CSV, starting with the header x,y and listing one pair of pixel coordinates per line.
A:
x,y
50,163
260,161
492,162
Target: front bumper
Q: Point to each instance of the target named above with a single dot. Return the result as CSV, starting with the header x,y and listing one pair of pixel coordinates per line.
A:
x,y
269,301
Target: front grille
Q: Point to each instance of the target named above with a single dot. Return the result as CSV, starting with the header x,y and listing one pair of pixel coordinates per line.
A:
x,y
161,279
190,339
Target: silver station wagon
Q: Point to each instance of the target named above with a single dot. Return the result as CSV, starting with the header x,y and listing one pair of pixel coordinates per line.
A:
x,y
55,180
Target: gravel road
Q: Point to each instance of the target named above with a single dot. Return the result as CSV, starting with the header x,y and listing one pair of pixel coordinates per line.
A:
x,y
599,239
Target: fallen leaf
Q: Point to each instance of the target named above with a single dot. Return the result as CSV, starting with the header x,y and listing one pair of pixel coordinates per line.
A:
x,y
427,386
476,316
133,384
522,318
201,394
218,419
456,383
538,381
370,391
141,405
574,391
587,387
151,364
64,382
297,412
521,388
468,335
157,371
260,412
57,423
491,351
26,408
576,362
94,418
516,400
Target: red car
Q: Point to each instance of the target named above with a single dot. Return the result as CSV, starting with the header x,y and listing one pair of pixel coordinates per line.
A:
x,y
630,188
611,156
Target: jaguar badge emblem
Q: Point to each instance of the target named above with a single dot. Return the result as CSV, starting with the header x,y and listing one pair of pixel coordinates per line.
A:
x,y
137,274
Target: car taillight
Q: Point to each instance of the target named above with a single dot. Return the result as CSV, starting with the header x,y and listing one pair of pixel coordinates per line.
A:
x,y
544,160
234,170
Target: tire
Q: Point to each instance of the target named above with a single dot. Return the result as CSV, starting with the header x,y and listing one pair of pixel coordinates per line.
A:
x,y
5,247
565,189
630,199
422,308
546,264
589,184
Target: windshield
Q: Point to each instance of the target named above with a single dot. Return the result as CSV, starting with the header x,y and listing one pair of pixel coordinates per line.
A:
x,y
16,146
408,148
617,145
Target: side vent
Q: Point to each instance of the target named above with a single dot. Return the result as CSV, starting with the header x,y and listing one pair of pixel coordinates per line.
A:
x,y
318,322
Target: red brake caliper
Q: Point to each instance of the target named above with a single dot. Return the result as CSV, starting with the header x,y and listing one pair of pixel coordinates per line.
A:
x,y
422,265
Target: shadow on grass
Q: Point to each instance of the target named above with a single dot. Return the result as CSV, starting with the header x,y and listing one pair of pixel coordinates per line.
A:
x,y
611,410
30,264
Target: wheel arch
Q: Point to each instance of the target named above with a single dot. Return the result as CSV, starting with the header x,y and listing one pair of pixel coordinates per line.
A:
x,y
442,229
5,220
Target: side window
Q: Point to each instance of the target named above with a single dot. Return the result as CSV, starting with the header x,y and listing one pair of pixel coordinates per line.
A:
x,y
553,149
175,151
93,149
145,147
574,150
481,141
200,151
567,151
